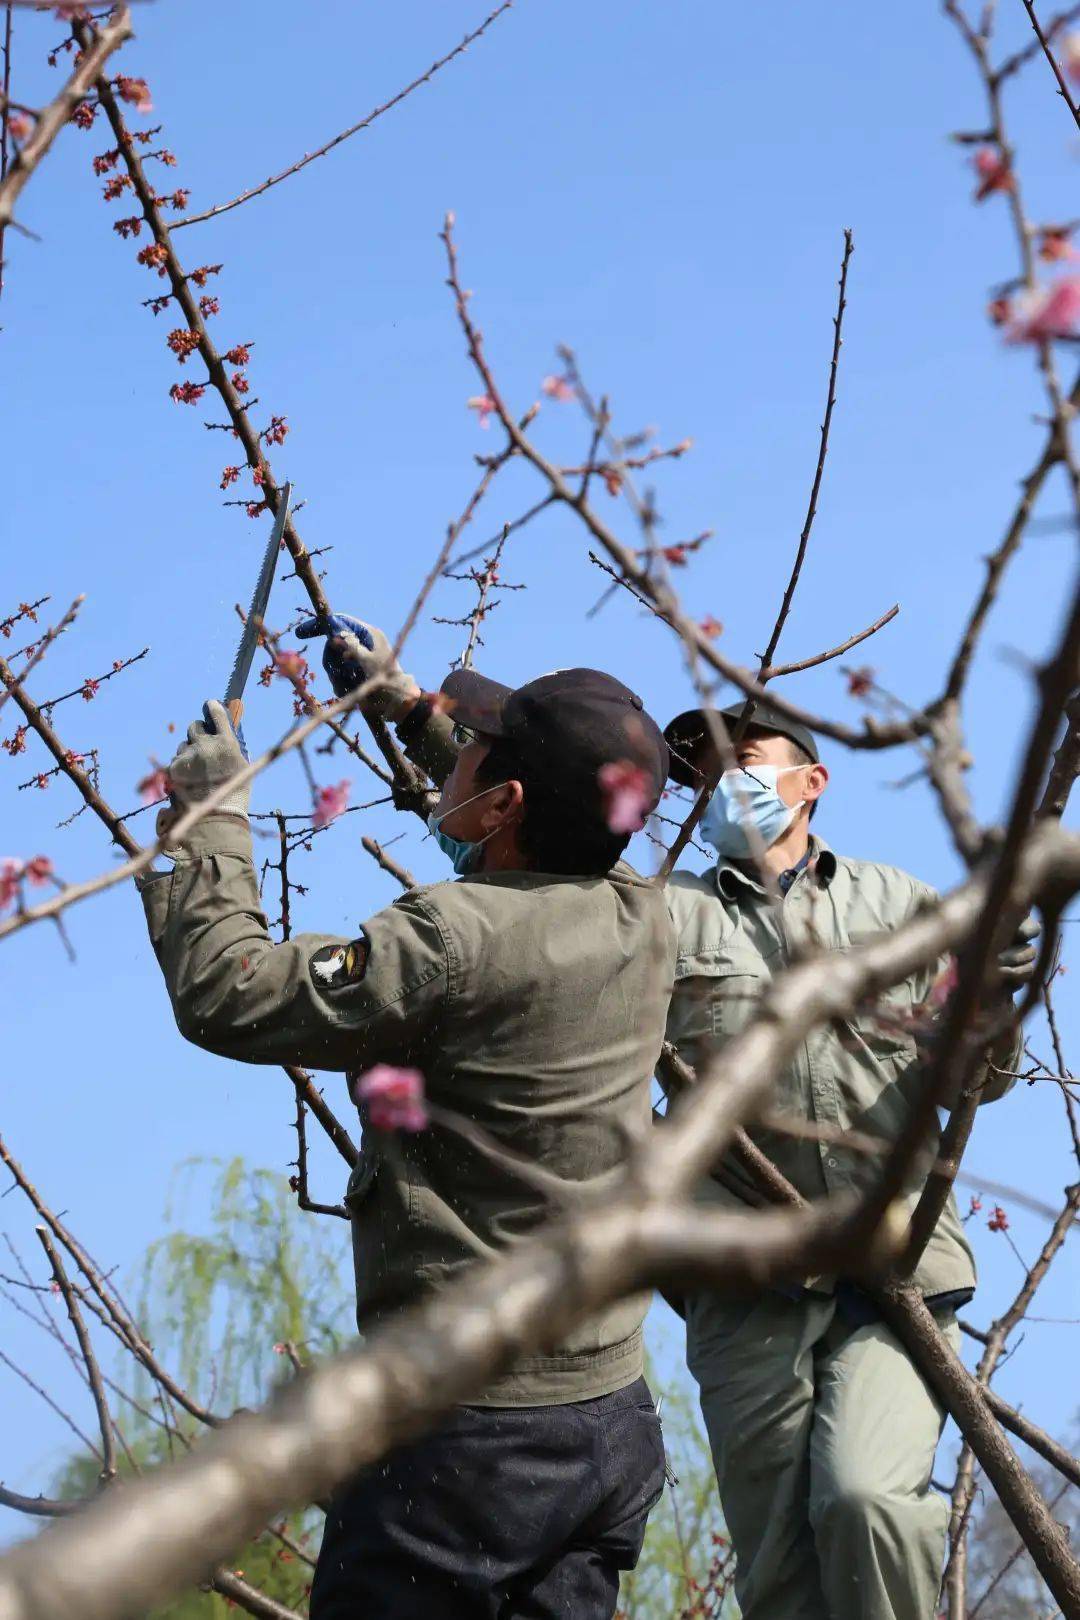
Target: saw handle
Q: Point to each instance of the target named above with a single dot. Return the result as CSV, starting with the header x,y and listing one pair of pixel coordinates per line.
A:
x,y
234,709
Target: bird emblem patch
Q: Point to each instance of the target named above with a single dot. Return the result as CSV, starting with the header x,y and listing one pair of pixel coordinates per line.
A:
x,y
332,967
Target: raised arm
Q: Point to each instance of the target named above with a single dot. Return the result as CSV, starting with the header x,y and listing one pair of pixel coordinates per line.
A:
x,y
353,652
318,999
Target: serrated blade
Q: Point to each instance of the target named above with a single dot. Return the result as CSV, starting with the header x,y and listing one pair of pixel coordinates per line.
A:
x,y
253,624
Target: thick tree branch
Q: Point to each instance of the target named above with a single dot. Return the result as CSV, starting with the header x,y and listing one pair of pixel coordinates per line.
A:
x,y
352,1409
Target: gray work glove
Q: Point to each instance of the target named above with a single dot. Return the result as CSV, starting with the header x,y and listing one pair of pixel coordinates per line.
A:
x,y
353,652
211,754
1016,963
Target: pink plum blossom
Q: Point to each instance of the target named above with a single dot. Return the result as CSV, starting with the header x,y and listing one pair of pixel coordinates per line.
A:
x,y
483,405
1070,56
557,388
38,870
330,803
394,1098
1049,312
627,795
154,786
291,664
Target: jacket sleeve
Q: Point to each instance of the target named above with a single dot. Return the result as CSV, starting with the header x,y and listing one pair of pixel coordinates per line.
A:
x,y
998,1073
318,999
428,740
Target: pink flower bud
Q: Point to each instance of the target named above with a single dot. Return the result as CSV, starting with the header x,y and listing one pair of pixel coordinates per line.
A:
x,y
330,803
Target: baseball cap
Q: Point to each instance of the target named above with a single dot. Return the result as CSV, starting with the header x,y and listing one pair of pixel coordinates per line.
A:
x,y
566,725
688,734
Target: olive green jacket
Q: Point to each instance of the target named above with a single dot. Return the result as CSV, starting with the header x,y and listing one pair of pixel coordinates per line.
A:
x,y
533,1004
859,1074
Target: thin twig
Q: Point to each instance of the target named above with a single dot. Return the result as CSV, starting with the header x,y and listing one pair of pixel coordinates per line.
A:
x,y
300,1187
1063,92
712,777
42,646
93,1372
388,864
774,671
354,129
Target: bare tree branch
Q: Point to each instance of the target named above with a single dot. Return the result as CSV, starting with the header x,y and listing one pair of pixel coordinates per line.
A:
x,y
1063,92
93,1372
388,864
354,129
52,119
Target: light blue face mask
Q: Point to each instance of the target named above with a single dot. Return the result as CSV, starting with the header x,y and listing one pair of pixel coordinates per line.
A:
x,y
747,799
461,852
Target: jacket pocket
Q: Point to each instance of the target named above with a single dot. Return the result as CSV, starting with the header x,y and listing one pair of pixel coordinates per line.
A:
x,y
715,994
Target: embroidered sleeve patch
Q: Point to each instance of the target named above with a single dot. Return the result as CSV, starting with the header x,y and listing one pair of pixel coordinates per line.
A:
x,y
332,967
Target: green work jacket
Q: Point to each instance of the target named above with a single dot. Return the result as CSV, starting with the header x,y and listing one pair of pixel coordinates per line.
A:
x,y
858,1074
533,1004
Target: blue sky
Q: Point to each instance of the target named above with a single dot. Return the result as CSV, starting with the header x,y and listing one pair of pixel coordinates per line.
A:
x,y
663,188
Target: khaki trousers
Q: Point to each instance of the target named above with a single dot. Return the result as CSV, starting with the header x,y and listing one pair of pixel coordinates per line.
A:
x,y
823,1437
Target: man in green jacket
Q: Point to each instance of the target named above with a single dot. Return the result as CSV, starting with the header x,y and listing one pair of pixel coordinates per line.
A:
x,y
529,998
823,1432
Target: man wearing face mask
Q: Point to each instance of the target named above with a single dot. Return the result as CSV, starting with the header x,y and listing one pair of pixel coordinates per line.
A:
x,y
822,1431
531,995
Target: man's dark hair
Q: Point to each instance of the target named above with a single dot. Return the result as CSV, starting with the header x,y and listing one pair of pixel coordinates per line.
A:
x,y
557,834
799,756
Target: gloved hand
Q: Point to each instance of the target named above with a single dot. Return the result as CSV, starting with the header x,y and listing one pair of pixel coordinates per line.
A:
x,y
353,652
211,754
1016,963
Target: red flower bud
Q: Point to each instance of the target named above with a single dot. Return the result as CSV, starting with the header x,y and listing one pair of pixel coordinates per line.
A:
x,y
154,256
135,91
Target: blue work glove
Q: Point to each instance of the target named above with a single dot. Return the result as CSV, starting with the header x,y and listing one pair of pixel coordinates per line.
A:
x,y
353,652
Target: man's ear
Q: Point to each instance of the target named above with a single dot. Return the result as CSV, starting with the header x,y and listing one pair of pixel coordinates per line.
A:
x,y
502,806
815,783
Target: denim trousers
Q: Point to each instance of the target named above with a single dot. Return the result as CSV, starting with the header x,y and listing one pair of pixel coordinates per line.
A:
x,y
505,1513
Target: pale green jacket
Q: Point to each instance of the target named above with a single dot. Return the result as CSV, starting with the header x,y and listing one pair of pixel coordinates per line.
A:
x,y
858,1074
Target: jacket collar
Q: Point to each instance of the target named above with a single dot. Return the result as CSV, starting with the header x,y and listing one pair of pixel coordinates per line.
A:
x,y
731,877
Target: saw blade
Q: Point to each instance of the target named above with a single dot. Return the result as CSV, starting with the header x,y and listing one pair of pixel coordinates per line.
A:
x,y
253,624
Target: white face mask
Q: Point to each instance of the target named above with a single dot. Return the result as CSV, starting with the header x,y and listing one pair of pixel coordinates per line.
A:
x,y
748,798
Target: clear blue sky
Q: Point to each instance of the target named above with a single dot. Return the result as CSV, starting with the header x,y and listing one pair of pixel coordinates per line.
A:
x,y
662,187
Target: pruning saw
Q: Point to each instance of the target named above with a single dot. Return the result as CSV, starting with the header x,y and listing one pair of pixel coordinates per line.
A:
x,y
253,624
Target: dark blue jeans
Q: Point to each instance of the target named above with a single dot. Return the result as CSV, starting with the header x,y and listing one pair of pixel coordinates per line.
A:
x,y
506,1513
